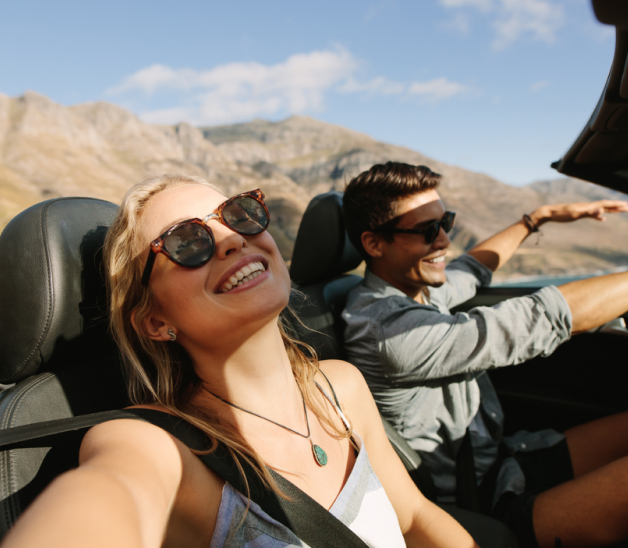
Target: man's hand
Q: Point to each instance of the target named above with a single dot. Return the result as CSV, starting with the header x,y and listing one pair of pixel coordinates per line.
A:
x,y
565,213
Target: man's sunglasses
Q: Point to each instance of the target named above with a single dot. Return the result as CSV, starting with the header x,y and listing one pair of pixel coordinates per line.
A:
x,y
191,243
430,231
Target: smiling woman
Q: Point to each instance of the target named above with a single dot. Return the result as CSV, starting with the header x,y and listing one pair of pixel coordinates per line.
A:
x,y
202,340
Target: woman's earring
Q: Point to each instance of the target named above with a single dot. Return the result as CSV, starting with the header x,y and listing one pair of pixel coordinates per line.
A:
x,y
172,334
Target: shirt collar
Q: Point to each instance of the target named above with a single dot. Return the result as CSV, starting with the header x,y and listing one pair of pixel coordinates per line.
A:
x,y
384,289
377,284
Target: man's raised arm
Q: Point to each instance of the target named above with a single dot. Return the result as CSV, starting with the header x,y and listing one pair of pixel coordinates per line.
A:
x,y
498,249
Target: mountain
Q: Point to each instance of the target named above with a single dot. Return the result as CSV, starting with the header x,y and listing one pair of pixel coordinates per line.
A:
x,y
100,150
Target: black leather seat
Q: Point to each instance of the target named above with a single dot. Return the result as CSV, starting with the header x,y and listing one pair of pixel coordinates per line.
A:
x,y
54,341
322,255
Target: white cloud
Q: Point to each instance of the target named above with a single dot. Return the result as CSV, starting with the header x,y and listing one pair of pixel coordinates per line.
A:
x,y
460,23
538,86
514,19
484,5
438,89
151,78
307,72
168,116
240,91
538,18
379,85
374,11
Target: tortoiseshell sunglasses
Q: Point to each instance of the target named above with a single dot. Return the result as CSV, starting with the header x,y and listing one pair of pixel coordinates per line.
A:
x,y
191,243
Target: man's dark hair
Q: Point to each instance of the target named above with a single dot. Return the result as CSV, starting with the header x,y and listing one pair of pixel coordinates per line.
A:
x,y
370,198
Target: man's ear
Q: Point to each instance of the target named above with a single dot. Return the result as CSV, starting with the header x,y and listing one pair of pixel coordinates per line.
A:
x,y
151,326
372,243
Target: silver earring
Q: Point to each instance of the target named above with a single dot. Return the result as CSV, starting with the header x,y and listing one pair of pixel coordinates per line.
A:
x,y
172,334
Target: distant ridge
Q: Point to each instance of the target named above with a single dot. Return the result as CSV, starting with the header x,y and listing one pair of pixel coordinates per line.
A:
x,y
100,150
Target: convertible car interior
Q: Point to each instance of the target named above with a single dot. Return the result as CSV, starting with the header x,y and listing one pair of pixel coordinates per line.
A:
x,y
58,362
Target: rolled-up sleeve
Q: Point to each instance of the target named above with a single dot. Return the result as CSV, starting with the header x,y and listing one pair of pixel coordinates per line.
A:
x,y
464,275
418,343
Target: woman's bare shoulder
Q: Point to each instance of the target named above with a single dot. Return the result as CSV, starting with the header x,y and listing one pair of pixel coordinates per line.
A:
x,y
347,382
132,434
146,456
341,372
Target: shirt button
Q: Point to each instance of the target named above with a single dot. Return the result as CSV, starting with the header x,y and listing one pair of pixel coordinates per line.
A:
x,y
493,415
523,446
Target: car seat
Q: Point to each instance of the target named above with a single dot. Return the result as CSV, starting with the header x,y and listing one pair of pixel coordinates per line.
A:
x,y
55,350
322,256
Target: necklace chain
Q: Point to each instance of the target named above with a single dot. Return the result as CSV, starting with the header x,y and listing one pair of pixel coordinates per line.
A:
x,y
307,437
319,454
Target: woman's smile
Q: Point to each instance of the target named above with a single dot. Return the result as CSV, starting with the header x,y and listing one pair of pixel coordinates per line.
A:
x,y
240,277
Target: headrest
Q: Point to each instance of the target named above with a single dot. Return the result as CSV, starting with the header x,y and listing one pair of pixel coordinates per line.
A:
x,y
322,248
51,285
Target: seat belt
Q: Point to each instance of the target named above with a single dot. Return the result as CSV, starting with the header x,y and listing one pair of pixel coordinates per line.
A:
x,y
305,517
467,496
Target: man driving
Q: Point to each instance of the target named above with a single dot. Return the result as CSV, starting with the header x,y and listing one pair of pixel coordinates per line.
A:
x,y
427,367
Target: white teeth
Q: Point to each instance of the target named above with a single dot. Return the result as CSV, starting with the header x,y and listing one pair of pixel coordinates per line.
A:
x,y
245,274
437,259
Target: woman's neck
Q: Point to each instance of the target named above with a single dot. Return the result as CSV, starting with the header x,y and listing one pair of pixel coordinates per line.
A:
x,y
253,372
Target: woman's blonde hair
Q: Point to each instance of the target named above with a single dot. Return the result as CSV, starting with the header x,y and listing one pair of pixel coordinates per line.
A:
x,y
162,373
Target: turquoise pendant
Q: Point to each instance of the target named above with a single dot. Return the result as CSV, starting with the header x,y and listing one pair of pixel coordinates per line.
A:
x,y
319,455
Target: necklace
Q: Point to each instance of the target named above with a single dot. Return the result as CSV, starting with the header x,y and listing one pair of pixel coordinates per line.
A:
x,y
319,454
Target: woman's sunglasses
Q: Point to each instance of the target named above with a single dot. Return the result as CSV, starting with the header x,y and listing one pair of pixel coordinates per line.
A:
x,y
191,243
430,232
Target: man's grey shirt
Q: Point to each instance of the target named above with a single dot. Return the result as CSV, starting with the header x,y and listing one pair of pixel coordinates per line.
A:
x,y
426,366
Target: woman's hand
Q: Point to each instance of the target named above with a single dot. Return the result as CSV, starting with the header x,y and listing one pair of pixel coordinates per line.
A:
x,y
566,213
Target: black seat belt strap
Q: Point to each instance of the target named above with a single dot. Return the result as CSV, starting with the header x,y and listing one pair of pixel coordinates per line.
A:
x,y
305,517
467,496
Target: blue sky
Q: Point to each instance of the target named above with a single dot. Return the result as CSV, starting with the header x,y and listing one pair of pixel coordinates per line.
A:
x,y
497,86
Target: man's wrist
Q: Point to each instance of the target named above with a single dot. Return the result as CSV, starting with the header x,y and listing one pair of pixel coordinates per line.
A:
x,y
540,216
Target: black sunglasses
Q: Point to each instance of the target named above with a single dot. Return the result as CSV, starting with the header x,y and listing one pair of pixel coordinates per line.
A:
x,y
430,231
191,243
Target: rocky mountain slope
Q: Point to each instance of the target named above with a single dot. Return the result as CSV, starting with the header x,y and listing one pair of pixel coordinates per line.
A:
x,y
99,150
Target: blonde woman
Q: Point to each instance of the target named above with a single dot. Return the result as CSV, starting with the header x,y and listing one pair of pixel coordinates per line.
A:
x,y
197,285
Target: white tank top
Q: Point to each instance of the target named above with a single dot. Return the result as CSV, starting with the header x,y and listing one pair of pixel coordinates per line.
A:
x,y
362,505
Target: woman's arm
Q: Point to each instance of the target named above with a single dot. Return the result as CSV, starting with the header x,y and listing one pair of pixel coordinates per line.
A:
x,y
121,494
422,523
